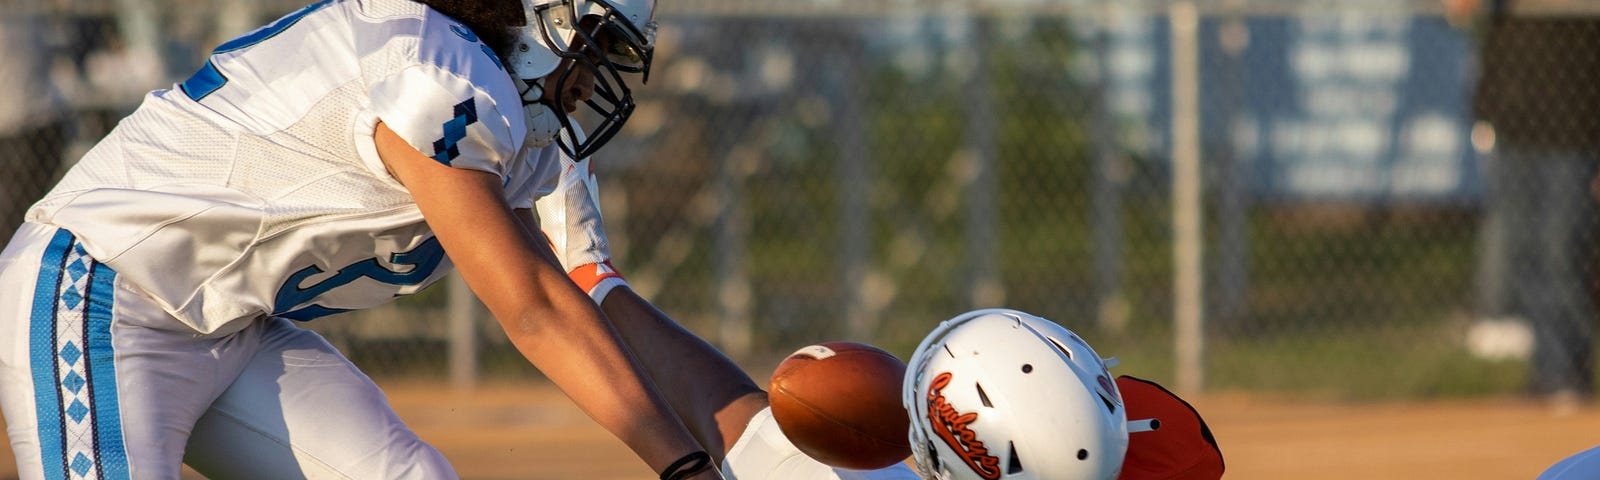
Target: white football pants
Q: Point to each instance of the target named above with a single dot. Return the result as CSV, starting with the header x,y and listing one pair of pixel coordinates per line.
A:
x,y
96,381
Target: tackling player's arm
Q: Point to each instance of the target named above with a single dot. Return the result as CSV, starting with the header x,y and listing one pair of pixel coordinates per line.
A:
x,y
710,393
554,325
719,402
713,396
722,406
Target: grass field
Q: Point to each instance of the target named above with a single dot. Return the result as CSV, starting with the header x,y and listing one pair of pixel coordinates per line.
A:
x,y
532,432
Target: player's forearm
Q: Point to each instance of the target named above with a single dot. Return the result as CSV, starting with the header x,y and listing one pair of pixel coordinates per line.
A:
x,y
572,345
714,397
553,323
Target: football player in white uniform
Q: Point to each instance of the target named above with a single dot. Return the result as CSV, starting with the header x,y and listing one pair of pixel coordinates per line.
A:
x,y
325,162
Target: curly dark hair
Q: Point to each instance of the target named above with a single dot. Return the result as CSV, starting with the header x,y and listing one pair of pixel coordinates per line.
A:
x,y
491,20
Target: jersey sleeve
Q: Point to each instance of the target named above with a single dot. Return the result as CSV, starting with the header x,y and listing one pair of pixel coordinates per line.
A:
x,y
570,219
455,104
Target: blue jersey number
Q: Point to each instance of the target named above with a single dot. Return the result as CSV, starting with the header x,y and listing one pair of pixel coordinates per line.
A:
x,y
423,260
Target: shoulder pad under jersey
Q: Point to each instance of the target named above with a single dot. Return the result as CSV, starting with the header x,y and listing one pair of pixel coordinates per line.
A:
x,y
456,104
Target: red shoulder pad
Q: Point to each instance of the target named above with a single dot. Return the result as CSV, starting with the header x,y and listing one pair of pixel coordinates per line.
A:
x,y
1182,448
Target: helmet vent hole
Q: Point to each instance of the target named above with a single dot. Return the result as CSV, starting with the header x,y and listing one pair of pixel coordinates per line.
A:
x,y
983,397
948,352
1026,368
1014,466
1083,454
1063,349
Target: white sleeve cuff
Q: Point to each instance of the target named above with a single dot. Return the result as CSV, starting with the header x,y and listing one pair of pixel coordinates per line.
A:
x,y
603,288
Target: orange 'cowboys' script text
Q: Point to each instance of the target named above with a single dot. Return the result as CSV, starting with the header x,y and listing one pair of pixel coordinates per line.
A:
x,y
954,428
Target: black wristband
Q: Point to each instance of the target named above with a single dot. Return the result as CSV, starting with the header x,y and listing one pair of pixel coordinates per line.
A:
x,y
688,465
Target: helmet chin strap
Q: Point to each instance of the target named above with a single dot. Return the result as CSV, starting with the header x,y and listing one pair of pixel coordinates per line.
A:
x,y
543,124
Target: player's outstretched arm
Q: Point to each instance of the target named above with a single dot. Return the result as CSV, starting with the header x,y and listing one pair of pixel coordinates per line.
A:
x,y
715,398
555,325
719,402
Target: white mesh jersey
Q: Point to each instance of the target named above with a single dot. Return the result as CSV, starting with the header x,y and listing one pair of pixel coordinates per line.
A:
x,y
254,188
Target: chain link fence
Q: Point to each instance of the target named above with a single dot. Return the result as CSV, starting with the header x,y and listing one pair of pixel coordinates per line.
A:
x,y
1267,196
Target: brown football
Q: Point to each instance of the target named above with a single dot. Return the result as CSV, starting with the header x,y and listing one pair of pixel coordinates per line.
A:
x,y
839,402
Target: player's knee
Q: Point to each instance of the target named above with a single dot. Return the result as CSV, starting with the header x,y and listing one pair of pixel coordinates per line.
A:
x,y
419,460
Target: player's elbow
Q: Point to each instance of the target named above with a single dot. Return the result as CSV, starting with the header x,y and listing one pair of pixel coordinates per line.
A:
x,y
529,319
540,314
525,326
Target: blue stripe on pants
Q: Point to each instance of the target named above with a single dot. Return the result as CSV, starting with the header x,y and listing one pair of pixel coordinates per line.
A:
x,y
42,355
112,458
74,372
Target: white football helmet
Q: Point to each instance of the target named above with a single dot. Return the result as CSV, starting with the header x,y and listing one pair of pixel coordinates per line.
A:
x,y
1000,393
607,37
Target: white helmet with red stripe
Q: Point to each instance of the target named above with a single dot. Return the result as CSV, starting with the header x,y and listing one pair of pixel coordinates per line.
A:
x,y
607,37
1002,394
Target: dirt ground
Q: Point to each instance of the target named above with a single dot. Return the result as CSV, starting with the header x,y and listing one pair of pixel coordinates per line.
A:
x,y
533,432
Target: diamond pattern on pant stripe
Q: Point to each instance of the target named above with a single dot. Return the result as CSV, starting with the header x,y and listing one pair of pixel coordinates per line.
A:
x,y
71,353
74,382
72,298
77,411
77,269
81,464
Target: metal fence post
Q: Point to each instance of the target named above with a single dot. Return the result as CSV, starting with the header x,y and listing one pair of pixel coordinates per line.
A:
x,y
984,288
463,342
1188,308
